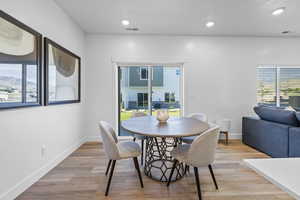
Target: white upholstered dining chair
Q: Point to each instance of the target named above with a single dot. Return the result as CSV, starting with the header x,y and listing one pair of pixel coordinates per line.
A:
x,y
140,137
198,154
116,150
197,116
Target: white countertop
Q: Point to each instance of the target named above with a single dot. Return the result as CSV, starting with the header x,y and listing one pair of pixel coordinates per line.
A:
x,y
283,172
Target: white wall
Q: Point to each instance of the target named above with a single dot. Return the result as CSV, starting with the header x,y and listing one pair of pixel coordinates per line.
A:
x,y
25,130
220,72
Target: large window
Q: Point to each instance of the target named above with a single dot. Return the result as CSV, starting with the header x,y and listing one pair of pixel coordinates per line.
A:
x,y
18,83
279,86
266,86
162,89
19,64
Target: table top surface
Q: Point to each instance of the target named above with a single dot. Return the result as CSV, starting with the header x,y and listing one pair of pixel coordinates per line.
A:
x,y
283,172
174,127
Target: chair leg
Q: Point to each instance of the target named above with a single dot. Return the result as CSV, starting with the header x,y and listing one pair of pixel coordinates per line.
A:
x,y
142,156
213,176
137,167
172,171
198,182
110,176
108,166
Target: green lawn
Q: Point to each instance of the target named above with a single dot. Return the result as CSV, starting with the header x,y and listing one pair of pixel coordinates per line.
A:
x,y
127,114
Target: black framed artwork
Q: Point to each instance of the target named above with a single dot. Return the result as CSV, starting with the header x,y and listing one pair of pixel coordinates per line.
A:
x,y
62,74
20,64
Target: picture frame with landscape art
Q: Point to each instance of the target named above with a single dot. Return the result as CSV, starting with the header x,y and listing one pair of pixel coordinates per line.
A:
x,y
62,74
20,64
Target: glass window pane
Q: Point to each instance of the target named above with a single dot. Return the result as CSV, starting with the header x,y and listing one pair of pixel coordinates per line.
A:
x,y
31,83
10,83
290,87
266,86
133,94
166,90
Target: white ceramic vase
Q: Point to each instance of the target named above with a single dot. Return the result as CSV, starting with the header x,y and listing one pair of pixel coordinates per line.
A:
x,y
162,115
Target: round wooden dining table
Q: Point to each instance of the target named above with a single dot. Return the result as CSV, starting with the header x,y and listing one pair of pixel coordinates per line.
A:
x,y
161,138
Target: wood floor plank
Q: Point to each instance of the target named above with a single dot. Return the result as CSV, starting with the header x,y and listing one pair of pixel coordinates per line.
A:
x,y
81,176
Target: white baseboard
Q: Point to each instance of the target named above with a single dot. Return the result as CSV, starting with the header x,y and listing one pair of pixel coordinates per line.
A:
x,y
36,175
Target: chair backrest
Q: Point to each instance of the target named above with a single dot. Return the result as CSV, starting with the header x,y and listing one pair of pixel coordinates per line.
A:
x,y
203,149
138,114
198,116
109,140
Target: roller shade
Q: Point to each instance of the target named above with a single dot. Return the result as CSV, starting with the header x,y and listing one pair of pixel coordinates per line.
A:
x,y
17,45
65,63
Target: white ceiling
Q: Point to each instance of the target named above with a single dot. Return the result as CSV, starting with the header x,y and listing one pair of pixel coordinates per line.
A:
x,y
186,17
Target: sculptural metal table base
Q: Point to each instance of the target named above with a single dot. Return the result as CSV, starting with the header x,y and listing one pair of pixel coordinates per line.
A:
x,y
158,160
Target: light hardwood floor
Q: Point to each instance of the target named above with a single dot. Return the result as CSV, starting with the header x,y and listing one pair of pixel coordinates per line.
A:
x,y
81,177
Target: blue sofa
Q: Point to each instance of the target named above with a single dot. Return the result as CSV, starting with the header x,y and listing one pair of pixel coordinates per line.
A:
x,y
275,132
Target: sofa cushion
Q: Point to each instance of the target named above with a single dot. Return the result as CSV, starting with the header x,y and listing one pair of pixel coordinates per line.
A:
x,y
278,115
269,137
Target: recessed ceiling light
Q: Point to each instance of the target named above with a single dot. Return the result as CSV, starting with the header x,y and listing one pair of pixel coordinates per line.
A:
x,y
210,24
278,11
125,22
